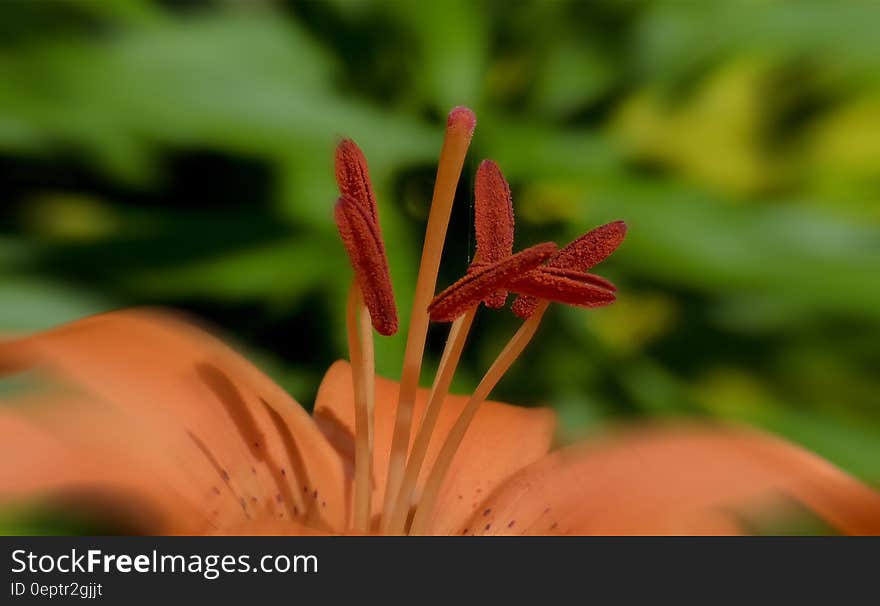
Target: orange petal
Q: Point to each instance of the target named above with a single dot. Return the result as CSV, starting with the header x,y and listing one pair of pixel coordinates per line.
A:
x,y
501,440
271,528
56,457
685,480
493,222
480,283
209,408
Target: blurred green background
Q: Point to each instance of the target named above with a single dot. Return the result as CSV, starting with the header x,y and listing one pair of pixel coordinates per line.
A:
x,y
180,154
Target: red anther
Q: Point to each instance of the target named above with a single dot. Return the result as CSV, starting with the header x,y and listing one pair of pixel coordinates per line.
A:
x,y
353,178
592,248
485,279
493,222
580,255
571,288
524,306
579,276
363,242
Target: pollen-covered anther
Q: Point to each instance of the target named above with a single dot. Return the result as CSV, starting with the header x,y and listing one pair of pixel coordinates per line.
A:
x,y
562,286
565,268
579,276
590,249
493,223
360,235
483,280
353,177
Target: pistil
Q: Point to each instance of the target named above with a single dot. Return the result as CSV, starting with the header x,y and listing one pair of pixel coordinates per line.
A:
x,y
459,130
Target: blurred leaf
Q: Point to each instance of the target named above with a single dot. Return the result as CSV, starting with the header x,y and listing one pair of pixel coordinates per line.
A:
x,y
280,272
677,39
684,237
572,76
854,448
450,50
30,304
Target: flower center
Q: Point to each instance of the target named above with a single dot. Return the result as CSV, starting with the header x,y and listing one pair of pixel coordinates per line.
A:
x,y
494,272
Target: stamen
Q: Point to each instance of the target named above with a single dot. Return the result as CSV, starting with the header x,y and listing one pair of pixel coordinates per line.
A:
x,y
581,254
363,243
493,222
480,283
360,346
564,286
592,248
458,333
353,178
578,275
459,130
505,359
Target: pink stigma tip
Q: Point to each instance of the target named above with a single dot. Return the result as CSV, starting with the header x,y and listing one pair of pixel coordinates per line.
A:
x,y
462,117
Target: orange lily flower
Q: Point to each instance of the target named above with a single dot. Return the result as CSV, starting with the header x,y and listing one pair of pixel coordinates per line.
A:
x,y
145,413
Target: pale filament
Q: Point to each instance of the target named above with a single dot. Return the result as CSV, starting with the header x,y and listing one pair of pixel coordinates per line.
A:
x,y
361,353
458,333
502,363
